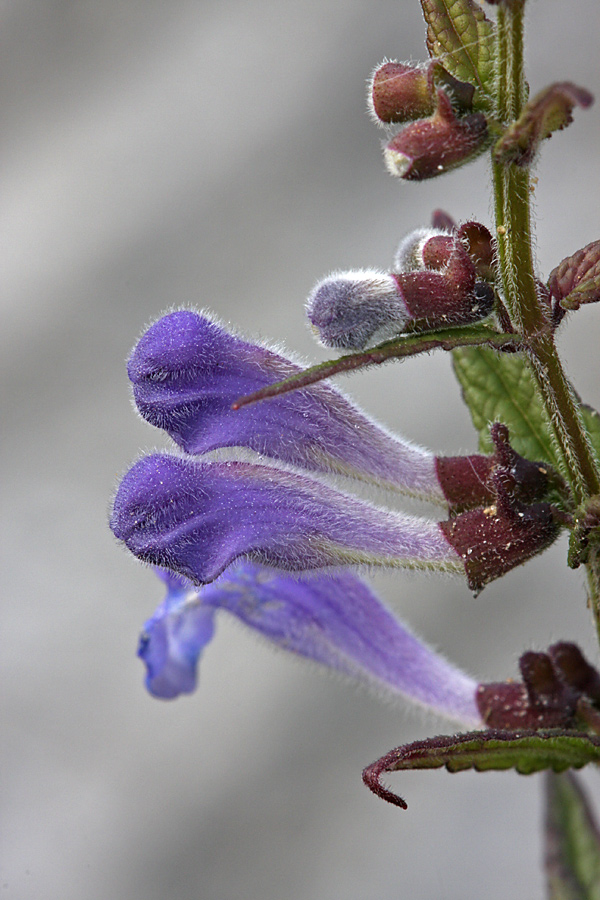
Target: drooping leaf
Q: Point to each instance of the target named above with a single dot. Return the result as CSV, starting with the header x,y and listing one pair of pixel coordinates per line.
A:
x,y
525,751
572,854
500,387
550,110
463,38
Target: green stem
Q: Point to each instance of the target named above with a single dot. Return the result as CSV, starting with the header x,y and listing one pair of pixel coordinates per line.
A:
x,y
517,273
593,579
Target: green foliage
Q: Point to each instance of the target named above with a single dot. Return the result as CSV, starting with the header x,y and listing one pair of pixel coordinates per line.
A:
x,y
499,387
572,842
463,38
525,751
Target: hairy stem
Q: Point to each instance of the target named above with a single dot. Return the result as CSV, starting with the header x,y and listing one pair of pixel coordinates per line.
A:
x,y
526,308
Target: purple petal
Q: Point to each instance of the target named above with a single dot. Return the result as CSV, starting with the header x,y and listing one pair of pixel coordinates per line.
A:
x,y
173,639
357,309
187,371
338,622
197,518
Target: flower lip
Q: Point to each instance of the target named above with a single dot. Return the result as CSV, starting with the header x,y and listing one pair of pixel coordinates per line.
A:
x,y
333,620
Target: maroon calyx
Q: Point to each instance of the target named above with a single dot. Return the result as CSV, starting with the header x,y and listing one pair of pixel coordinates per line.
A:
x,y
560,689
466,480
493,540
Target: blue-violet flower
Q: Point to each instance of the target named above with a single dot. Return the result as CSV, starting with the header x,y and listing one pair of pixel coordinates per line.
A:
x,y
267,539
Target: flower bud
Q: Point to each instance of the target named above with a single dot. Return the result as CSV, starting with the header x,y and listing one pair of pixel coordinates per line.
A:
x,y
430,147
424,248
576,279
357,309
400,92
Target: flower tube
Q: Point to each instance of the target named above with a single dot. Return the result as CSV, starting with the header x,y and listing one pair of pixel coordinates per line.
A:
x,y
334,620
198,518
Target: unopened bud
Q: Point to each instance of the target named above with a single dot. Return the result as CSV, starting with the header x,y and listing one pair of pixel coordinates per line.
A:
x,y
401,92
351,310
354,310
576,279
430,147
424,248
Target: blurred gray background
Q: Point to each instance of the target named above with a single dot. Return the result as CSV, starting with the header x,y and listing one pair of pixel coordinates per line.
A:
x,y
219,154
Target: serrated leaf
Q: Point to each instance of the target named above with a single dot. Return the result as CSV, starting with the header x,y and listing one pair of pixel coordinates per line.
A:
x,y
525,751
572,842
591,420
549,111
463,38
501,388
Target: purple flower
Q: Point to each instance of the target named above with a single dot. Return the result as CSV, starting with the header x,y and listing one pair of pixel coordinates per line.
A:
x,y
335,621
187,371
269,540
172,640
196,518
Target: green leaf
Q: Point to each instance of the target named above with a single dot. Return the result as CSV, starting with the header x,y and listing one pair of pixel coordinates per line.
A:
x,y
409,344
499,387
572,842
525,751
463,38
591,420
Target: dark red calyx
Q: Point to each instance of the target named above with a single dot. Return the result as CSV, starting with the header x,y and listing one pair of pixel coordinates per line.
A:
x,y
466,483
442,221
493,540
575,670
401,92
559,689
429,147
481,248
